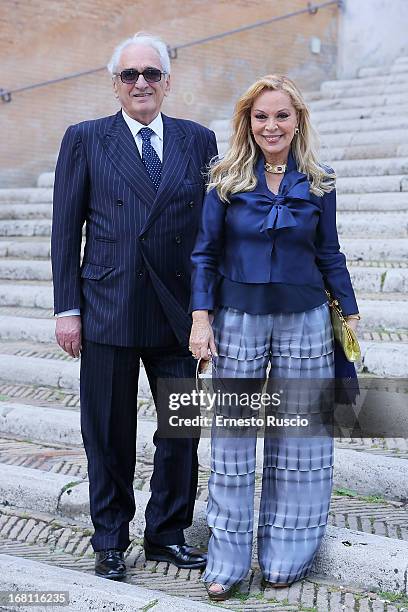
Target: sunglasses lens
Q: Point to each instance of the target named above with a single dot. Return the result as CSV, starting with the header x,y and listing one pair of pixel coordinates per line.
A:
x,y
129,76
152,75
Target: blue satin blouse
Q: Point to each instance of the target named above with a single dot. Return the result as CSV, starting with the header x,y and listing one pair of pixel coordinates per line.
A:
x,y
286,242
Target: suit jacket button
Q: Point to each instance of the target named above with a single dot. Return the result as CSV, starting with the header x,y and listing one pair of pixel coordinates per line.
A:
x,y
140,273
142,238
119,202
191,204
178,239
178,273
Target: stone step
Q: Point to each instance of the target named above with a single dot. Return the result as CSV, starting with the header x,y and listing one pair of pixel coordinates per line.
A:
x,y
35,247
60,495
61,543
42,372
356,221
167,579
356,138
367,81
386,359
30,227
371,224
25,269
389,315
399,69
42,424
374,278
37,232
360,180
363,101
371,71
344,166
26,370
372,184
381,276
17,341
27,327
87,593
379,279
359,91
51,371
25,211
348,114
372,249
361,125
26,195
355,564
372,167
20,294
46,180
392,200
380,201
402,59
387,476
370,151
396,68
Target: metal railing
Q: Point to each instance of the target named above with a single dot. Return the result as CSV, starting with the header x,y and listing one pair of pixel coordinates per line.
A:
x,y
312,9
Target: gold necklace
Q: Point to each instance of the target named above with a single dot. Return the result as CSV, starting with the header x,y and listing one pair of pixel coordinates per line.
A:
x,y
275,168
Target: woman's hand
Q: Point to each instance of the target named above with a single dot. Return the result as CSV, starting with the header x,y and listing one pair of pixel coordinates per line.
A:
x,y
353,323
201,343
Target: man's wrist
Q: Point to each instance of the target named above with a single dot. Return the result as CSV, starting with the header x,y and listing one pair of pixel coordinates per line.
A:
x,y
68,313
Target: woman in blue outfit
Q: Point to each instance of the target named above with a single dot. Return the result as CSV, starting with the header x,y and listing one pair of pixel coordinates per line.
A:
x,y
266,249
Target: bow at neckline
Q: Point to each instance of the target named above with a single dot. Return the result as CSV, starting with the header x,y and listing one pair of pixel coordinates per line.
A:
x,y
294,186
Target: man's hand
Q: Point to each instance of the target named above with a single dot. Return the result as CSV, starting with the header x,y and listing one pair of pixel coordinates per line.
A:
x,y
68,334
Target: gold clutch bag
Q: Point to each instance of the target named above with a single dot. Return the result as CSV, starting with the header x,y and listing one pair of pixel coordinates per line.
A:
x,y
343,333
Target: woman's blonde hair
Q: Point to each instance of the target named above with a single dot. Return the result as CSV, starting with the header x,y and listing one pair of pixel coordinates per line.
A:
x,y
234,172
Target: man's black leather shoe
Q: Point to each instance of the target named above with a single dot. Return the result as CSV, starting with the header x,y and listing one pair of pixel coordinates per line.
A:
x,y
181,555
110,564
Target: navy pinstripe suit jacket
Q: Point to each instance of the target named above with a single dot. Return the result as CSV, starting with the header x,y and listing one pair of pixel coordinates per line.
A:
x,y
133,286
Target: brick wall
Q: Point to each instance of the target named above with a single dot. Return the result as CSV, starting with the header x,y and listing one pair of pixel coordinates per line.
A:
x,y
46,39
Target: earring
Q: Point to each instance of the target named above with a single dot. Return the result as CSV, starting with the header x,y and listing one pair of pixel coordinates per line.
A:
x,y
297,130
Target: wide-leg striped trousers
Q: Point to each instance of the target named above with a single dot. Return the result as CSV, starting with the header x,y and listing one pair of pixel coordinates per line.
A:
x,y
297,471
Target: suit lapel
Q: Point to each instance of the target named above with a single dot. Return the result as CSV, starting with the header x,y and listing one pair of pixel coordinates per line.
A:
x,y
121,149
176,151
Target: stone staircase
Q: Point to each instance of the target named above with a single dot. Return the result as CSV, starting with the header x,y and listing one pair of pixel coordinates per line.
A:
x,y
44,515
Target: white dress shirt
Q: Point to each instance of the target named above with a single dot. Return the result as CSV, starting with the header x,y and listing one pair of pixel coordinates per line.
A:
x,y
157,138
157,143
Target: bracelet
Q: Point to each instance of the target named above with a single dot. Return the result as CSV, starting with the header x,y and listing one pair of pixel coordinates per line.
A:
x,y
354,316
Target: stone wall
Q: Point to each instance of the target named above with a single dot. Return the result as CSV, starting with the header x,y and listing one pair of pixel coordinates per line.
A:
x,y
371,33
47,39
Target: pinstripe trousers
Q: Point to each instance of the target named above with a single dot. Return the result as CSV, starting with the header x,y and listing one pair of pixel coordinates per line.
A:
x,y
297,471
109,386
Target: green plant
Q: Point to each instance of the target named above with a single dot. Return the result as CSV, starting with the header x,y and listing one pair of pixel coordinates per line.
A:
x,y
398,598
150,605
351,493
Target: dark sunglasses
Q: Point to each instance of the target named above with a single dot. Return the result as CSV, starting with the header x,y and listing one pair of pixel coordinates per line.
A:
x,y
150,75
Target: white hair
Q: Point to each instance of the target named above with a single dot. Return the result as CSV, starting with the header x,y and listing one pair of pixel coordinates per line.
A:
x,y
145,39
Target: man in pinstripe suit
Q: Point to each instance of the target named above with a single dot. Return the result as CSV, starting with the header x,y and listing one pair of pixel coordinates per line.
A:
x,y
136,179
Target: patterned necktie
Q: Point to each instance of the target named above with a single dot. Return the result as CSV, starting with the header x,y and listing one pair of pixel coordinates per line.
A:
x,y
150,158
